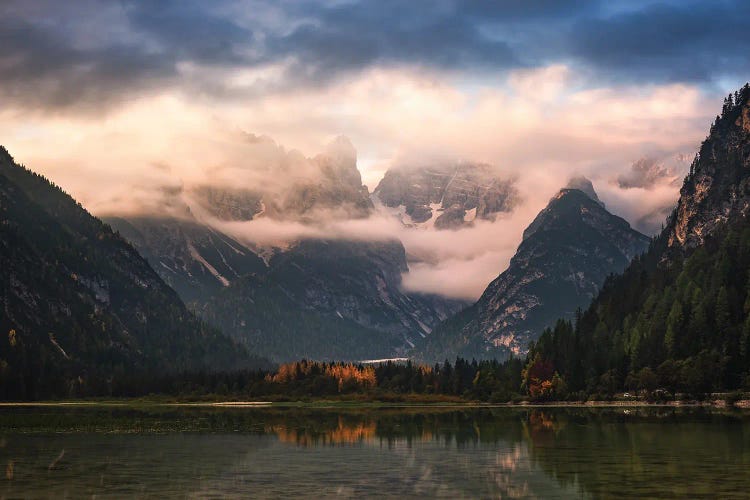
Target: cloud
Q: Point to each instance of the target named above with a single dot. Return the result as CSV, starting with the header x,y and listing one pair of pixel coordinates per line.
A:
x,y
437,264
93,56
645,209
189,31
673,41
538,126
350,36
48,67
646,193
130,106
648,172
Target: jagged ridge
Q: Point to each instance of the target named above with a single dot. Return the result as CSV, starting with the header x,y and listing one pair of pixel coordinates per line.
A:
x,y
565,256
678,318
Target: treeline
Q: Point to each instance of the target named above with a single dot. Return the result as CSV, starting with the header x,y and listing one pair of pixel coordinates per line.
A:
x,y
662,329
475,380
682,327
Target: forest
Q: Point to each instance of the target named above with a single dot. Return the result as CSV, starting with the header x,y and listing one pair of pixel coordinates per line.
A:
x,y
681,328
309,380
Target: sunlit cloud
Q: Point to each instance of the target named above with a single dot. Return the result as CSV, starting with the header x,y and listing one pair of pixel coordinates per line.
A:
x,y
114,103
539,126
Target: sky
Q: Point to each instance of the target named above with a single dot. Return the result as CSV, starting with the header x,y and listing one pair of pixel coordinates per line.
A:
x,y
119,102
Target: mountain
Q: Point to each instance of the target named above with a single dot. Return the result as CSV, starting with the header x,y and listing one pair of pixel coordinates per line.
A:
x,y
447,196
679,316
293,300
717,190
193,258
291,187
81,309
328,299
567,252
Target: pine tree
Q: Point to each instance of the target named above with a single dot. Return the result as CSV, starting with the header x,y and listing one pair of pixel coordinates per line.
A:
x,y
722,314
745,340
675,321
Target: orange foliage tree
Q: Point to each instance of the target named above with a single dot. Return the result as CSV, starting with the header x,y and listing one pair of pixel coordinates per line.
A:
x,y
348,376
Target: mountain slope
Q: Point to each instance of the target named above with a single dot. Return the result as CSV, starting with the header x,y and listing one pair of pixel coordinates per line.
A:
x,y
679,317
80,308
193,258
565,256
328,299
199,260
288,301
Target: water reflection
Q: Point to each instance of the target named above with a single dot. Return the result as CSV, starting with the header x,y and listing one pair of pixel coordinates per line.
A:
x,y
345,432
526,453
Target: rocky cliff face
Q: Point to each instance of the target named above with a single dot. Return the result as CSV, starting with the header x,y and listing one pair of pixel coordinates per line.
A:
x,y
566,254
718,186
327,185
446,196
311,289
229,204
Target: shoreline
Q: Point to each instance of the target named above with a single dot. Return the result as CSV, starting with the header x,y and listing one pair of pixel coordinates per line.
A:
x,y
374,404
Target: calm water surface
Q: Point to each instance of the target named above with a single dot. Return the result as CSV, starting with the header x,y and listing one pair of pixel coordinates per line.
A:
x,y
287,452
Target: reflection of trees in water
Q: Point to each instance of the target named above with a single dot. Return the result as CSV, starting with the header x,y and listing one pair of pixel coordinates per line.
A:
x,y
345,432
642,452
488,452
448,428
451,453
541,427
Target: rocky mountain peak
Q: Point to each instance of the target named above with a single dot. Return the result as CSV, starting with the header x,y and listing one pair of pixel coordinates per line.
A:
x,y
342,149
567,252
298,188
571,206
338,163
718,185
447,195
583,184
230,204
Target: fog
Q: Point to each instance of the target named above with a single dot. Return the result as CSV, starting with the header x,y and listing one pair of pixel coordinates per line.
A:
x,y
538,126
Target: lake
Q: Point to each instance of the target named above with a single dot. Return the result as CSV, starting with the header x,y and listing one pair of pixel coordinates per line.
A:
x,y
186,452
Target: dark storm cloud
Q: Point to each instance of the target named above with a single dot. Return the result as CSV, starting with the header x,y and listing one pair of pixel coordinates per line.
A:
x,y
187,30
40,67
524,10
44,65
351,37
685,41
